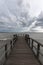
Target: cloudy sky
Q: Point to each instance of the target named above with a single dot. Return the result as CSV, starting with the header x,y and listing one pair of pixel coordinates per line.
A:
x,y
21,15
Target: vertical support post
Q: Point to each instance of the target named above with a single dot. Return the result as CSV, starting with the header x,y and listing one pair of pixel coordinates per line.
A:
x,y
38,48
11,44
32,44
6,51
13,40
29,42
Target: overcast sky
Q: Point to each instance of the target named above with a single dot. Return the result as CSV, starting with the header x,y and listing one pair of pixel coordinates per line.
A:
x,y
21,15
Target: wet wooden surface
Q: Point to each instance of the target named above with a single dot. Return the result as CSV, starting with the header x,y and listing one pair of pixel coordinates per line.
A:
x,y
21,54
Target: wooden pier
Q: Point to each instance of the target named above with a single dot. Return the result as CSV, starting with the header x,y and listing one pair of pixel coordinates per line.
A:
x,y
22,53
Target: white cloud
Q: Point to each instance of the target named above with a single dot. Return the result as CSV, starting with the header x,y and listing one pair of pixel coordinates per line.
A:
x,y
20,14
36,6
38,29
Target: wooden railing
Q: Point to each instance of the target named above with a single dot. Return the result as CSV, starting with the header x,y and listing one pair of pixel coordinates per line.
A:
x,y
7,49
33,44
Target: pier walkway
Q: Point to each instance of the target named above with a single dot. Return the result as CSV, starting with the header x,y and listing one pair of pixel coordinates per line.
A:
x,y
21,54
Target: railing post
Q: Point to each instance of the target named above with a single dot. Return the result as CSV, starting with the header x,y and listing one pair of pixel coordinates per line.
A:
x,y
32,44
38,48
29,42
14,42
11,44
6,51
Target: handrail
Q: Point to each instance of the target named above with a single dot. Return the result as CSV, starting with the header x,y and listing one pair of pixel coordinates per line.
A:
x,y
37,42
4,44
8,48
14,37
31,41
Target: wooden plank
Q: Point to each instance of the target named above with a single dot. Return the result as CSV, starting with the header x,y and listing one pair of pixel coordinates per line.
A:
x,y
21,54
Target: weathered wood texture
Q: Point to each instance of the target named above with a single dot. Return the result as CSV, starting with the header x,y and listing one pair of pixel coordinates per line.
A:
x,y
21,54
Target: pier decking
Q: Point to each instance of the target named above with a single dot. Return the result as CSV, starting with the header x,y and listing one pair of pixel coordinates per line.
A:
x,y
21,54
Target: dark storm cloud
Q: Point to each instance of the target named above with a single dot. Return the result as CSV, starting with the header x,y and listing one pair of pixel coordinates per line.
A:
x,y
40,20
2,23
39,25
